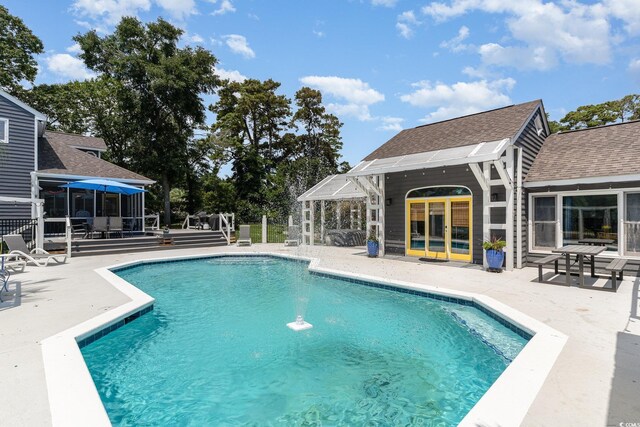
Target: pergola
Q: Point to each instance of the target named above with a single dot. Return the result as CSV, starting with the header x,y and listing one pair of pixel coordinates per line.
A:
x,y
337,189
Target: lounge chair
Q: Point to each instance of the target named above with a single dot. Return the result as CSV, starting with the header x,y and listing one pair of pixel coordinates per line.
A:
x,y
245,236
13,262
37,256
115,225
293,236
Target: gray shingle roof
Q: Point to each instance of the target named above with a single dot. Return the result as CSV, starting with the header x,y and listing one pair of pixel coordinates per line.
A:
x,y
56,156
74,140
611,150
487,126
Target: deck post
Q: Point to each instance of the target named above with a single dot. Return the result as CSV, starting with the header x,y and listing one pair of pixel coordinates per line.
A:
x,y
264,229
486,210
322,220
509,214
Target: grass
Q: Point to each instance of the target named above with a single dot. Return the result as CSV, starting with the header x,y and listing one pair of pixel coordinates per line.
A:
x,y
275,233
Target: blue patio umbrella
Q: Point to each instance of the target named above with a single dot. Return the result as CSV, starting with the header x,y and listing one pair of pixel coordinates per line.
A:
x,y
105,185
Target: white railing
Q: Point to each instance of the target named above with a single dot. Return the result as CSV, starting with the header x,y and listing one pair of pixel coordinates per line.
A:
x,y
187,222
156,221
225,228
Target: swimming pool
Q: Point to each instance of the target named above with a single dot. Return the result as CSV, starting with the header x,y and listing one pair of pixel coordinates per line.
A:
x,y
215,350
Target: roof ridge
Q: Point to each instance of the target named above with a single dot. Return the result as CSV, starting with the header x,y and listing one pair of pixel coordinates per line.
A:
x,y
475,114
72,134
564,132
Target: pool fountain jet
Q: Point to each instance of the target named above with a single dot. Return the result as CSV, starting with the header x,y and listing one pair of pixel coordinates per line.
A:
x,y
299,324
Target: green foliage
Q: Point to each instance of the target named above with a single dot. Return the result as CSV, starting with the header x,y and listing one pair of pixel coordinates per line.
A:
x,y
159,92
372,237
586,116
495,244
18,48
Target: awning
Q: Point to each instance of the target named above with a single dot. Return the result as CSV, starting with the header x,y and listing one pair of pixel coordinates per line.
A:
x,y
482,152
333,187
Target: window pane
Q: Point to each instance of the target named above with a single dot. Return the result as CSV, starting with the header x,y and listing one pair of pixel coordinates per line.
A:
x,y
545,209
633,224
81,203
55,199
590,217
4,124
544,235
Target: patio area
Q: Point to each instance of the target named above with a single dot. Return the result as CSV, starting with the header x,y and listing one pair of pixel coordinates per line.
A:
x,y
594,381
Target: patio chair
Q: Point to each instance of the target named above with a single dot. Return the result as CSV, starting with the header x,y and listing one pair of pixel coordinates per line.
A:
x,y
13,262
99,225
37,256
293,236
115,225
245,236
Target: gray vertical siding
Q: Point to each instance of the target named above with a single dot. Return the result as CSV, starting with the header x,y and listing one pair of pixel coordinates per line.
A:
x,y
16,159
530,143
398,184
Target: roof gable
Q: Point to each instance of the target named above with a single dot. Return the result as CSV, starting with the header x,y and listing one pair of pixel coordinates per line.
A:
x,y
38,115
493,125
77,141
612,150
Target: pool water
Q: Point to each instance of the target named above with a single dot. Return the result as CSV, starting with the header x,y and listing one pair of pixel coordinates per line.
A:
x,y
215,350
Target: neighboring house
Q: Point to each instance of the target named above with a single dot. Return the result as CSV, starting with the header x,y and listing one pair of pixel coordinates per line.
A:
x,y
34,163
440,190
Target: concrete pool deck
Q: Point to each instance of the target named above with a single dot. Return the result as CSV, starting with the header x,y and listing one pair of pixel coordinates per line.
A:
x,y
595,381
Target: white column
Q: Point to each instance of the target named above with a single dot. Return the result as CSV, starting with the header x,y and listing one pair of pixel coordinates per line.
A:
x,y
322,220
509,214
381,208
486,210
39,208
351,215
622,232
338,216
264,229
313,222
519,211
359,215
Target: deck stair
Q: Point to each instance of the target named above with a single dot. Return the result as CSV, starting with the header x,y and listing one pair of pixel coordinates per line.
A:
x,y
149,242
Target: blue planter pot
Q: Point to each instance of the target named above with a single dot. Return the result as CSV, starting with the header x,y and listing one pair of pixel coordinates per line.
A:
x,y
372,248
495,259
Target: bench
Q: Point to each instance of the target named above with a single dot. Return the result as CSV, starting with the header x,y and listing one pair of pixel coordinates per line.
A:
x,y
546,260
616,266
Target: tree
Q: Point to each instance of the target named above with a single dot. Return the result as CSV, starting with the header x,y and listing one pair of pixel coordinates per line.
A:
x,y
18,46
159,92
320,142
586,116
250,126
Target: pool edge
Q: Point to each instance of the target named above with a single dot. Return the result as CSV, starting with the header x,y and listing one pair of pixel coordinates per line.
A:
x,y
74,399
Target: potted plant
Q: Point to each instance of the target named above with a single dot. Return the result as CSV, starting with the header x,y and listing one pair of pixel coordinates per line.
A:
x,y
373,246
495,253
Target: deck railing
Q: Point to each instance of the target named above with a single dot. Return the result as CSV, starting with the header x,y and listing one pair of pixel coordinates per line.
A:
x,y
26,227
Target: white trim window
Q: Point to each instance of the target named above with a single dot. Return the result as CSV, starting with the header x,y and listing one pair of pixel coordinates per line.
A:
x,y
544,222
4,130
632,223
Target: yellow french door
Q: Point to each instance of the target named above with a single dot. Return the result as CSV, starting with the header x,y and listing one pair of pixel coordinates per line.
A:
x,y
440,228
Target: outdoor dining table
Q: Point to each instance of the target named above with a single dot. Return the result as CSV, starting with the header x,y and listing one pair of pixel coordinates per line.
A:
x,y
580,251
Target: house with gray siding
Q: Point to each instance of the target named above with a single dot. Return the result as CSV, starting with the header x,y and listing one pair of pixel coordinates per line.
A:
x,y
440,190
35,162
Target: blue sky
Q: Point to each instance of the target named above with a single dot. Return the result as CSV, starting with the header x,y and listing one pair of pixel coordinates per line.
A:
x,y
384,65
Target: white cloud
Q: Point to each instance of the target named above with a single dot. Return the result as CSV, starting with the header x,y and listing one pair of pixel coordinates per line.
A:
x,y
68,67
178,9
238,44
74,48
356,95
634,69
460,98
192,38
455,44
318,33
406,22
111,11
233,75
543,32
391,124
385,3
225,7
